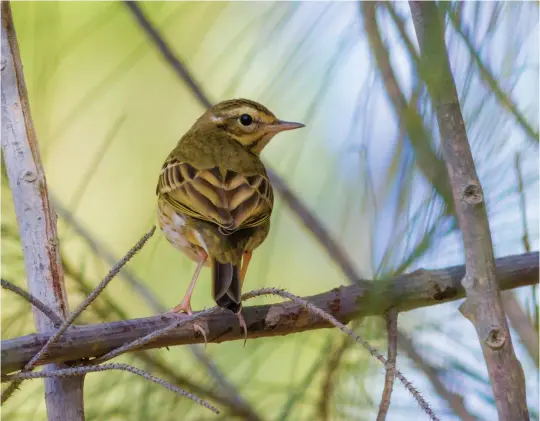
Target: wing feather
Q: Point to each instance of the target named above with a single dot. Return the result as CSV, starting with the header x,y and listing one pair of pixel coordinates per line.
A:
x,y
229,199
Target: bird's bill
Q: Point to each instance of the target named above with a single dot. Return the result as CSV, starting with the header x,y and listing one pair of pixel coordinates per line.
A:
x,y
284,125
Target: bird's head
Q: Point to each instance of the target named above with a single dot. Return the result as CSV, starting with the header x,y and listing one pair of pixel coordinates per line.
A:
x,y
248,122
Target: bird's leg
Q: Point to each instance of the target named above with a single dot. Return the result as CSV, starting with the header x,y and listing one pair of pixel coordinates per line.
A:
x,y
245,263
185,305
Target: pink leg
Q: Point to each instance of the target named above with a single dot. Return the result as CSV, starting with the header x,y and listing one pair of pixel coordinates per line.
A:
x,y
185,305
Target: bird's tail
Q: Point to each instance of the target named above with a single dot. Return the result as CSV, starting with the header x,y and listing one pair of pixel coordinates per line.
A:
x,y
226,286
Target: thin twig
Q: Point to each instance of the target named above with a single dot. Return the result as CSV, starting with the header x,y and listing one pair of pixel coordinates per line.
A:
x,y
100,250
306,304
391,326
226,398
373,351
154,335
56,319
80,371
454,400
87,301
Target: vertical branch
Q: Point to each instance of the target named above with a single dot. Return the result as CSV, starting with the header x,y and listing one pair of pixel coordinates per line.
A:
x,y
35,216
391,327
483,305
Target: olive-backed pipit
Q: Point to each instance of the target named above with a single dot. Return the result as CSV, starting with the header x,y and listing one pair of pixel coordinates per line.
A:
x,y
215,198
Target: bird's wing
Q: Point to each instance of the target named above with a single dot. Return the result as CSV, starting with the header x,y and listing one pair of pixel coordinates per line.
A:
x,y
224,197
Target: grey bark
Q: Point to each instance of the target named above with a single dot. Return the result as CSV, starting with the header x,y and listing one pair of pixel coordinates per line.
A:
x,y
483,306
35,216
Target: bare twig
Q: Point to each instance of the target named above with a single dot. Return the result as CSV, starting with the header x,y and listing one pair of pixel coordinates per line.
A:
x,y
455,401
373,351
483,305
100,250
406,292
87,301
35,217
391,326
226,398
274,291
80,371
138,343
56,319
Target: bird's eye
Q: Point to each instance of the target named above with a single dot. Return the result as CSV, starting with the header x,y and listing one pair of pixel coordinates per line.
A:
x,y
246,119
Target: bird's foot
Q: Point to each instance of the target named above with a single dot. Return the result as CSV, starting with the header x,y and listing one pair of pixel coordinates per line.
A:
x,y
242,325
185,307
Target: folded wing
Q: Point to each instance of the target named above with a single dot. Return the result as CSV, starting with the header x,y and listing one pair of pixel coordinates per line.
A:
x,y
226,198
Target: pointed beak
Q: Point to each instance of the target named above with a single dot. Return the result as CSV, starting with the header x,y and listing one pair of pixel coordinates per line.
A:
x,y
281,126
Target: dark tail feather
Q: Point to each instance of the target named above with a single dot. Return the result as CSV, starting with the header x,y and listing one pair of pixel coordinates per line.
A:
x,y
226,286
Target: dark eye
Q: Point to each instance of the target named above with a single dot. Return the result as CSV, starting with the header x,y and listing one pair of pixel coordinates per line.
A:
x,y
246,119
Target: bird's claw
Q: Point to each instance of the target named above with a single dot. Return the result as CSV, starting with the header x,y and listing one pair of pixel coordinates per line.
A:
x,y
198,328
186,308
242,325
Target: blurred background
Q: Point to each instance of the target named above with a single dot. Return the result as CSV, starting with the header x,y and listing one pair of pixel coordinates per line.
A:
x,y
108,109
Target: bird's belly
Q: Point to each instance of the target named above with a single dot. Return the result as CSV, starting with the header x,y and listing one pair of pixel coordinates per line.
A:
x,y
181,236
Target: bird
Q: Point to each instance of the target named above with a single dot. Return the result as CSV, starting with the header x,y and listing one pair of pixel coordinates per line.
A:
x,y
215,198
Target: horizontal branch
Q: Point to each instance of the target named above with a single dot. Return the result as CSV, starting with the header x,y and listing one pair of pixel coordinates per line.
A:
x,y
418,289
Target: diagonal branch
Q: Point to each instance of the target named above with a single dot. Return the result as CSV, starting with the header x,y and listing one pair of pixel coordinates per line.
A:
x,y
69,321
406,292
224,398
55,318
455,401
35,216
373,351
483,305
80,371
